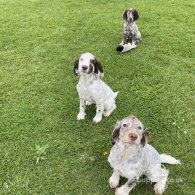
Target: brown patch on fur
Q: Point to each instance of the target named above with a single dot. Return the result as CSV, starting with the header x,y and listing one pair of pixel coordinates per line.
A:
x,y
90,69
115,135
75,70
125,15
135,15
97,66
145,137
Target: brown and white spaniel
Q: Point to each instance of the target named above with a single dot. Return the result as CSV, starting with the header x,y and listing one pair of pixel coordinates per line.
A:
x,y
91,89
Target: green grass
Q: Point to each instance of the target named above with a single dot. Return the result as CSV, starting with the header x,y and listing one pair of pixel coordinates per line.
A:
x,y
39,41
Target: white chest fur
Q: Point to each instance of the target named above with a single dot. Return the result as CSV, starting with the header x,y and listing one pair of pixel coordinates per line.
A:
x,y
93,88
87,88
128,161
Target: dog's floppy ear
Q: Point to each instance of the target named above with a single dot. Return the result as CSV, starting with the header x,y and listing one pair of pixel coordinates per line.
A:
x,y
97,67
145,137
125,15
75,70
116,132
135,14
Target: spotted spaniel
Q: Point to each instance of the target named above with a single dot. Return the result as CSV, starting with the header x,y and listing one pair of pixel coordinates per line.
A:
x,y
131,157
91,89
131,31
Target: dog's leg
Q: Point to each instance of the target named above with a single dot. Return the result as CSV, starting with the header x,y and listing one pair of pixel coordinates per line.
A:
x,y
82,113
99,111
126,188
134,42
125,39
114,179
133,38
160,186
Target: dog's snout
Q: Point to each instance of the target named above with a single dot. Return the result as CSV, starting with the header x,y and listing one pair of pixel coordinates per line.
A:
x,y
132,136
84,67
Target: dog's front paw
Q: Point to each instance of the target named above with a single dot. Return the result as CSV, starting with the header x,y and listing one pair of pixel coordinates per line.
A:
x,y
121,191
113,182
97,119
81,116
159,188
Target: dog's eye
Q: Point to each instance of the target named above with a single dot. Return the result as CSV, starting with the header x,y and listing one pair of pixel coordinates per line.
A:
x,y
139,127
124,125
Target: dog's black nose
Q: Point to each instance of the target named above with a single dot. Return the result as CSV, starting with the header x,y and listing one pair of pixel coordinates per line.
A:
x,y
84,67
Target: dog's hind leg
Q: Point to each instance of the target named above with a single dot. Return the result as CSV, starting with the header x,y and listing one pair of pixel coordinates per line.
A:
x,y
109,106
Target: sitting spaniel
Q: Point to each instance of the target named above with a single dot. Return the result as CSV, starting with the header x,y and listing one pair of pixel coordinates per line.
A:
x,y
91,89
131,31
131,157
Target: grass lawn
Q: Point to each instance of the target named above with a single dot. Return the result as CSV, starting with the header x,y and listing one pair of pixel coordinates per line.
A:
x,y
43,148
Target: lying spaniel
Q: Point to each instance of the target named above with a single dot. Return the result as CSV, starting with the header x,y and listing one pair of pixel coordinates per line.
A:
x,y
131,157
91,89
131,31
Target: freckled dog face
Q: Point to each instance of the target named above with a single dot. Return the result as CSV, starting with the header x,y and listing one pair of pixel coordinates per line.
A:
x,y
130,15
130,130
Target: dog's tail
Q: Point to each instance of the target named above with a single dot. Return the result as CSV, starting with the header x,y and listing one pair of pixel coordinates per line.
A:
x,y
169,159
115,94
